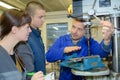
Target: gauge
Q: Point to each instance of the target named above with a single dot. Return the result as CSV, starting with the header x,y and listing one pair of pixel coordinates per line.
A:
x,y
91,12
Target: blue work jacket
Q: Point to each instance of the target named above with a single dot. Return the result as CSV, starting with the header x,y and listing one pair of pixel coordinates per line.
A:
x,y
37,46
56,52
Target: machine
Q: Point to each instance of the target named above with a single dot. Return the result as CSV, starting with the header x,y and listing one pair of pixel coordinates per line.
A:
x,y
105,9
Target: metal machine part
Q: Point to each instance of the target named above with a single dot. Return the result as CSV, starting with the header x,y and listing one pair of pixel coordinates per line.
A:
x,y
98,7
116,43
87,63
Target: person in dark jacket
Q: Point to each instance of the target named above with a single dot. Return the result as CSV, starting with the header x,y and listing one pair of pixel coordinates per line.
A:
x,y
33,51
76,42
14,27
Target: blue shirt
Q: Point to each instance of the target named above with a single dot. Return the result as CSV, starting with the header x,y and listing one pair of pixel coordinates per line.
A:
x,y
37,46
56,52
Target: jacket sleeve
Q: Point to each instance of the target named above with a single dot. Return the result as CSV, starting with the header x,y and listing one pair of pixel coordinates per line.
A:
x,y
100,48
27,55
56,51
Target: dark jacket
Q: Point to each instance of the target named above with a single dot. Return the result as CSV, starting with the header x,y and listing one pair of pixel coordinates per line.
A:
x,y
37,46
8,70
26,53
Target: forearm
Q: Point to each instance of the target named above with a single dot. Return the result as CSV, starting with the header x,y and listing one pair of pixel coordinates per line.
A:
x,y
54,54
106,45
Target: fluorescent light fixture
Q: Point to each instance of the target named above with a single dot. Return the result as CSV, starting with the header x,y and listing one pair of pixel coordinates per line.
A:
x,y
6,5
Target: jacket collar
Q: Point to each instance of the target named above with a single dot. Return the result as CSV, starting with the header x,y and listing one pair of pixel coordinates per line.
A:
x,y
37,32
82,40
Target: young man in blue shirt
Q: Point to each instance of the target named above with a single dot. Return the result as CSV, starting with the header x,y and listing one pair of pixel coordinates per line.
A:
x,y
76,42
33,51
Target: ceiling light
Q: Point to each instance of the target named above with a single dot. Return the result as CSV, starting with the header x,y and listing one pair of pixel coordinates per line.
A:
x,y
6,5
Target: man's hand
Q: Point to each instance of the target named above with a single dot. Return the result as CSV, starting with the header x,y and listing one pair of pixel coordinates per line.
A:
x,y
107,30
71,49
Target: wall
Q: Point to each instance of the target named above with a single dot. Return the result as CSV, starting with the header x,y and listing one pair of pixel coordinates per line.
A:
x,y
1,12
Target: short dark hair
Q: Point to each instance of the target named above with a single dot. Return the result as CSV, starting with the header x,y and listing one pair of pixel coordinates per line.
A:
x,y
32,6
79,20
10,18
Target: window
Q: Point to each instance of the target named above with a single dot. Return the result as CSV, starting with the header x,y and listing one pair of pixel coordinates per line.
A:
x,y
54,30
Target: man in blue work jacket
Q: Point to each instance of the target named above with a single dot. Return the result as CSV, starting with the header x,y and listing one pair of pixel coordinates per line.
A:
x,y
76,42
